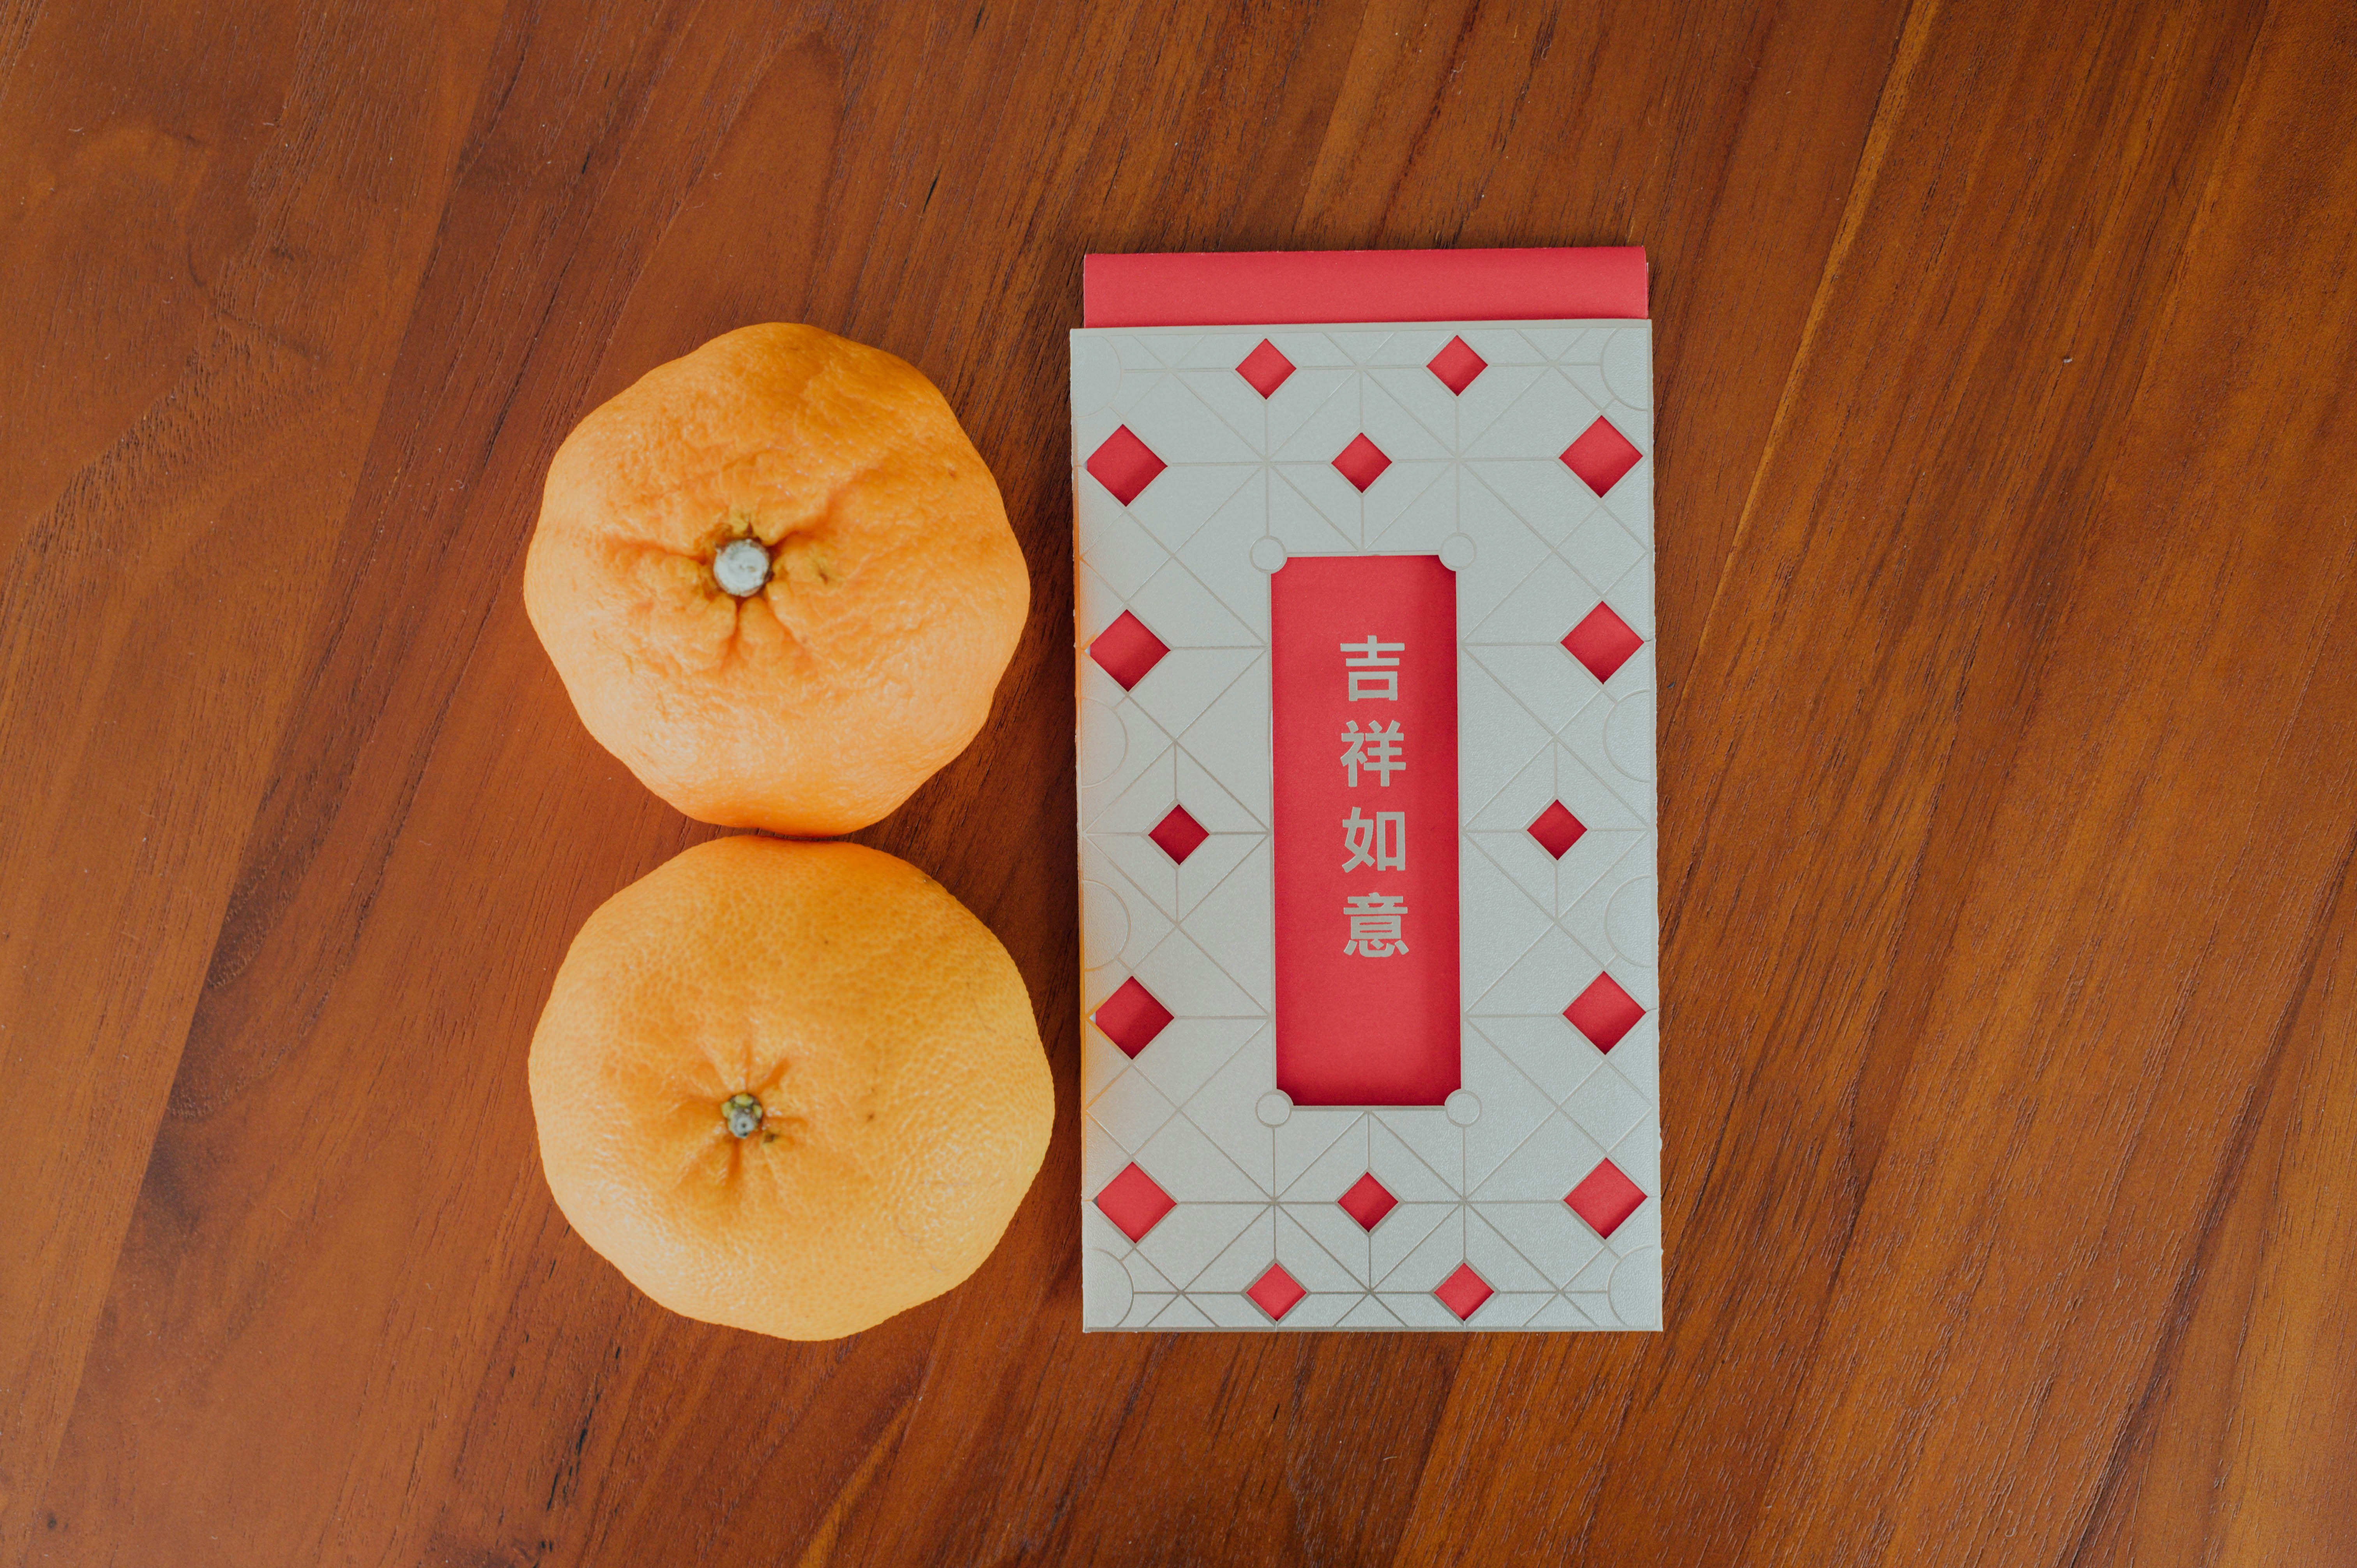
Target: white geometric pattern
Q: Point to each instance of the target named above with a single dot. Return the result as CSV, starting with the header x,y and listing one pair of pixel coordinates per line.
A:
x,y
1477,477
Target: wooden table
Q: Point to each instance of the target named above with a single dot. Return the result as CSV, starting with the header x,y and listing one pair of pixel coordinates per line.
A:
x,y
2009,512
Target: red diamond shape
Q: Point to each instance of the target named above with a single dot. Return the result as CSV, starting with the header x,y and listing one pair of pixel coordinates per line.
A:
x,y
1605,1198
1266,369
1124,465
1276,1292
1603,1013
1601,456
1179,834
1362,461
1457,365
1126,650
1368,1201
1557,830
1602,641
1131,1018
1133,1203
1463,1292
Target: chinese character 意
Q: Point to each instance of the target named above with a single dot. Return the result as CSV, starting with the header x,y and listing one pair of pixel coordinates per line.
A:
x,y
1377,751
1376,924
1382,844
1374,676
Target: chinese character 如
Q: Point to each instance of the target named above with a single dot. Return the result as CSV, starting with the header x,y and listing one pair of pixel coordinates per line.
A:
x,y
1381,843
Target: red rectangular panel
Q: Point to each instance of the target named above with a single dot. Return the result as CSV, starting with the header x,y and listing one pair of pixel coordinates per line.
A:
x,y
1206,288
1362,732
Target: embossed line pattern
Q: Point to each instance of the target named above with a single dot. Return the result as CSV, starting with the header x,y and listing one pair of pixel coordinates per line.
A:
x,y
1203,460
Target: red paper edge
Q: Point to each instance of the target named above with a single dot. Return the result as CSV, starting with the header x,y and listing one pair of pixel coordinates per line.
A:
x,y
1242,288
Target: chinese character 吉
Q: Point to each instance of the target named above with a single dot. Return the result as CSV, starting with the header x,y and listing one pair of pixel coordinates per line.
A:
x,y
1374,676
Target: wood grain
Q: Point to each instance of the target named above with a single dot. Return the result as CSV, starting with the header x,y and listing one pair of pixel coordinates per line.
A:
x,y
2010,803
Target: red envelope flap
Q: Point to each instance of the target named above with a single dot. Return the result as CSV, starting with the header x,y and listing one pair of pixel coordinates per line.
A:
x,y
1239,288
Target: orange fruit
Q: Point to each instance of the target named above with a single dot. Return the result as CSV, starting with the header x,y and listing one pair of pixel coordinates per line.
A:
x,y
777,580
794,1088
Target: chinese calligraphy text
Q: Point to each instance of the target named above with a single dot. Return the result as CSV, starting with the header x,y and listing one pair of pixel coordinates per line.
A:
x,y
1362,666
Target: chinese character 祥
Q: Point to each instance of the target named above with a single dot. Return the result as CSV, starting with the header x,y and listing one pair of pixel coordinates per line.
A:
x,y
1374,677
1376,924
1377,751
1382,844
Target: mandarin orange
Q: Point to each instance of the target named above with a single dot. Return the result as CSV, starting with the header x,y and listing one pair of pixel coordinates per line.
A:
x,y
794,1088
777,580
